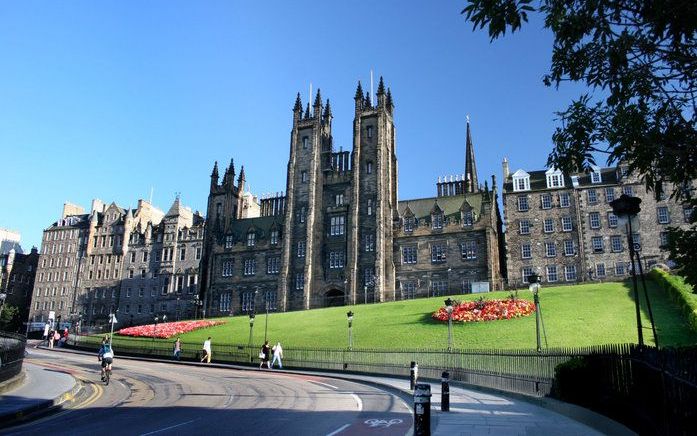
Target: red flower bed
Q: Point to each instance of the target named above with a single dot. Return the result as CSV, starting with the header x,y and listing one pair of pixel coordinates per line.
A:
x,y
486,310
167,329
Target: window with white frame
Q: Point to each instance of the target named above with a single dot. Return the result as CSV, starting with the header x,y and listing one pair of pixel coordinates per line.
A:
x,y
337,225
225,302
301,249
546,201
251,239
409,254
339,199
616,243
552,275
370,242
408,223
248,301
229,241
609,194
250,267
437,221
663,215
600,270
570,273
594,220
336,259
524,227
566,224
526,250
439,287
526,272
521,182
592,196
569,247
270,298
469,250
550,249
438,252
628,190
636,238
299,281
620,269
597,244
595,176
408,290
523,203
564,200
555,178
467,218
272,265
274,237
611,220
548,225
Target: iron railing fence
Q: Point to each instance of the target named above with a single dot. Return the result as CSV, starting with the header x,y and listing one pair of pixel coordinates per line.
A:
x,y
11,354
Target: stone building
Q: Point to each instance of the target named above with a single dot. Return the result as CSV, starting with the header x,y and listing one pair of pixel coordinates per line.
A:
x,y
562,227
339,235
9,240
17,274
141,262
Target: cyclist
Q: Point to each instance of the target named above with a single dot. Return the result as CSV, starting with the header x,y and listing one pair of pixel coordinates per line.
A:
x,y
106,356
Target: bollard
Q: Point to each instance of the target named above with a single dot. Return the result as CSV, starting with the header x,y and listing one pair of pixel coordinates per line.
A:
x,y
445,392
413,375
422,409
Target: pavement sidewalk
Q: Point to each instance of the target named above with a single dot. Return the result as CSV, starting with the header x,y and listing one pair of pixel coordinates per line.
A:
x,y
42,390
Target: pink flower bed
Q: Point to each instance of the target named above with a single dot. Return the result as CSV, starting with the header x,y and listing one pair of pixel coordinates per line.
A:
x,y
167,329
486,310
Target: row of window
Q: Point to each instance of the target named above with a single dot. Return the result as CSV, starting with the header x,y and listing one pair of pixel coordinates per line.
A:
x,y
569,273
252,239
564,198
437,221
468,251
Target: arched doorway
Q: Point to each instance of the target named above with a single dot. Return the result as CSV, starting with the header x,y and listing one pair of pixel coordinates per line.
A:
x,y
334,297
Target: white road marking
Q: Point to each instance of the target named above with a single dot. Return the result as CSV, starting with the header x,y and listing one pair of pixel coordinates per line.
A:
x,y
339,430
324,384
358,401
170,427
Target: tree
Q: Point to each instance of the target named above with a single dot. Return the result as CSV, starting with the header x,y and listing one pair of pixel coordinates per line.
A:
x,y
9,318
638,60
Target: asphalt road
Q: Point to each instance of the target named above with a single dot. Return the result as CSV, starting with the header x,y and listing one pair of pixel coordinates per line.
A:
x,y
148,398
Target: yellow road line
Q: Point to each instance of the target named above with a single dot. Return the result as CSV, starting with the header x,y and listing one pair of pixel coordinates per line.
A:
x,y
98,391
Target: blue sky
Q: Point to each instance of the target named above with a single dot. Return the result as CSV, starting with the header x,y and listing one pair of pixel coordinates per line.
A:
x,y
109,99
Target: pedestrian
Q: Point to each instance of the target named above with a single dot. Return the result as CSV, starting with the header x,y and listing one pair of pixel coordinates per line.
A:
x,y
207,350
57,338
47,329
264,355
277,355
178,348
50,339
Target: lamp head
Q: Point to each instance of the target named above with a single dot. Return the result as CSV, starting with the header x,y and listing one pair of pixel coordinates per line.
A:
x,y
626,205
164,318
448,302
349,315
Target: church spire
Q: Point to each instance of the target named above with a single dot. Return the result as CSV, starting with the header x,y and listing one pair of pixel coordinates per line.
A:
x,y
214,176
471,183
358,98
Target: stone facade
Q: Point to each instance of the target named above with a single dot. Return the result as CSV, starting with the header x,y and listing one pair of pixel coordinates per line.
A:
x,y
562,227
17,274
338,234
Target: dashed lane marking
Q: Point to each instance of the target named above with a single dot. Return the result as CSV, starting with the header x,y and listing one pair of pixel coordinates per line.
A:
x,y
170,427
339,430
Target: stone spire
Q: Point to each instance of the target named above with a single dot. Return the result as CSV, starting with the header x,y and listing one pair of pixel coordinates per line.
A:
x,y
298,104
368,102
307,110
471,183
214,175
358,98
381,93
389,103
327,111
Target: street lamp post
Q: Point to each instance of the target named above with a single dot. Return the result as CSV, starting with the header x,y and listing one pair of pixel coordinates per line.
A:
x,y
534,280
154,328
3,297
178,309
266,319
349,315
449,309
251,329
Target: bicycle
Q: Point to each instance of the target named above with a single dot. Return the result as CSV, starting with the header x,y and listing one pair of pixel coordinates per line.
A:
x,y
107,376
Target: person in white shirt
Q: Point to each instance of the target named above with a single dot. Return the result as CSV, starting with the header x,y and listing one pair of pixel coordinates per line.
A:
x,y
277,355
207,350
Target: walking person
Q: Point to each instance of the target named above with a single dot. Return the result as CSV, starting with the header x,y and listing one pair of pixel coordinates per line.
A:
x,y
57,338
177,348
207,350
277,355
47,329
264,355
50,339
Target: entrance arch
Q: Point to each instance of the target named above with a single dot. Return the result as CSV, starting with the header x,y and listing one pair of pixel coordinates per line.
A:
x,y
334,297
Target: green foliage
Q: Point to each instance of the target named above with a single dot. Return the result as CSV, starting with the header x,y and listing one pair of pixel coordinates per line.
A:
x,y
9,319
680,292
638,61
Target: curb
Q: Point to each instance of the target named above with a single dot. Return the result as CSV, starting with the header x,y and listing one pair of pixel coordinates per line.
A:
x,y
13,383
42,408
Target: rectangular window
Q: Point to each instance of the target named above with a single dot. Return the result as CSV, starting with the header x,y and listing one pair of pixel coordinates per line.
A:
x,y
466,286
564,200
611,220
369,130
469,250
636,238
303,176
228,266
339,199
370,207
300,281
369,167
687,214
250,267
408,224
370,242
546,200
595,177
438,252
229,241
616,244
550,249
467,218
552,273
408,290
439,287
628,190
663,215
597,244
526,250
251,239
526,272
274,237
337,225
248,302
409,255
301,249
145,256
524,226
133,256
663,242
570,273
523,203
569,247
437,221
620,269
182,254
594,220
566,224
600,270
272,265
180,284
592,196
336,259
609,194
549,225
306,141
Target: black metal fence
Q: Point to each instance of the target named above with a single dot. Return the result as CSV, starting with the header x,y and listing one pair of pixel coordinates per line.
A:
x,y
11,354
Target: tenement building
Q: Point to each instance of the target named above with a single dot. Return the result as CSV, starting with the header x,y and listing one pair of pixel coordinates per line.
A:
x,y
139,262
339,235
562,227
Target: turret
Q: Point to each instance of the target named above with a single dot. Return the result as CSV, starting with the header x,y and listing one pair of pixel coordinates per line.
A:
x,y
358,98
506,169
214,176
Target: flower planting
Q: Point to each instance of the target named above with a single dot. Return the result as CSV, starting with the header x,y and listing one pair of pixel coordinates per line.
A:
x,y
166,329
486,310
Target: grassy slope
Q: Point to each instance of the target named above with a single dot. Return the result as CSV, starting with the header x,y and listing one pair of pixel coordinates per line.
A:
x,y
578,315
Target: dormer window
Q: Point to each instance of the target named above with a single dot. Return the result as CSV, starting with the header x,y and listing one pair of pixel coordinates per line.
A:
x,y
521,181
437,221
409,224
467,218
555,178
595,175
229,241
251,239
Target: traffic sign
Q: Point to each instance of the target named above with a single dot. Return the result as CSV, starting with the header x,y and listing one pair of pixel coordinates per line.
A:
x,y
637,246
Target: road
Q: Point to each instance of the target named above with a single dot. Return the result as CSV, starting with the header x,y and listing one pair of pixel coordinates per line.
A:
x,y
148,398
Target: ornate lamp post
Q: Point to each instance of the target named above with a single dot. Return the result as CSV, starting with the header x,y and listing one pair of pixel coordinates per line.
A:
x,y
627,207
449,309
154,328
251,329
349,316
534,280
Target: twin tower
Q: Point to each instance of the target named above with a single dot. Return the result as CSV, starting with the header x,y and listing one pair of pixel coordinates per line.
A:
x,y
329,239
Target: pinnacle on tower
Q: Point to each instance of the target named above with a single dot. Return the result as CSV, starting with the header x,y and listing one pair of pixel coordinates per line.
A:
x,y
327,110
368,102
390,103
472,185
215,170
359,91
231,168
307,110
298,104
381,87
318,99
242,176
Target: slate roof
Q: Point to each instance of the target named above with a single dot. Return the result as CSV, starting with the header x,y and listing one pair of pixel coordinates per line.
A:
x,y
422,207
263,224
538,180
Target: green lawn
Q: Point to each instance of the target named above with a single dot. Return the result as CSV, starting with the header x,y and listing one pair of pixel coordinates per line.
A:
x,y
578,315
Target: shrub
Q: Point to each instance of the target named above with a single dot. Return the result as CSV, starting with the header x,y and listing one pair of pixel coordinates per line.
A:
x,y
680,292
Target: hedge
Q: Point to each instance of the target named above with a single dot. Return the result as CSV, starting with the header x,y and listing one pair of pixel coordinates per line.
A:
x,y
680,292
